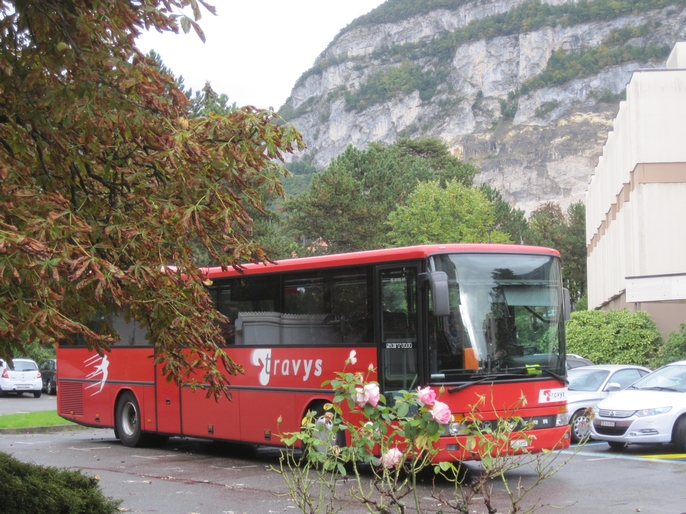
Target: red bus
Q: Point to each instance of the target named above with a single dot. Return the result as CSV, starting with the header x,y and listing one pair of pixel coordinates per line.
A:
x,y
473,318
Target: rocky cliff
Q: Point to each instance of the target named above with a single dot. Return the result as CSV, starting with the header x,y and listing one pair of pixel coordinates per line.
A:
x,y
526,91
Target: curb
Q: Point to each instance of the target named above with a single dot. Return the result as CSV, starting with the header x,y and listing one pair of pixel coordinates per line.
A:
x,y
42,430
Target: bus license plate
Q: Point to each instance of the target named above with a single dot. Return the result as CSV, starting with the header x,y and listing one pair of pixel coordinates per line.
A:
x,y
518,443
607,423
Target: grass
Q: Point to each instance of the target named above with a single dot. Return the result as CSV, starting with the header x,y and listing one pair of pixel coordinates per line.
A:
x,y
32,419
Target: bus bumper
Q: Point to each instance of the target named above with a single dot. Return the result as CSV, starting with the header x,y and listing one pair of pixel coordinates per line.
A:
x,y
465,448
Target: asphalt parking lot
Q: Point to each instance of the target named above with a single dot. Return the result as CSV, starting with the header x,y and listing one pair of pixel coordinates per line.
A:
x,y
188,476
15,404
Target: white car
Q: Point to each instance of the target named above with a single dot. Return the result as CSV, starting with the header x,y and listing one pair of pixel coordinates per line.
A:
x,y
652,410
23,377
589,385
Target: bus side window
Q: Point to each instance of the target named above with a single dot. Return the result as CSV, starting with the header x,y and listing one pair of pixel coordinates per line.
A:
x,y
221,297
351,294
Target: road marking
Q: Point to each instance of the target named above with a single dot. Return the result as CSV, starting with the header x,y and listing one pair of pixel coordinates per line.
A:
x,y
666,456
90,449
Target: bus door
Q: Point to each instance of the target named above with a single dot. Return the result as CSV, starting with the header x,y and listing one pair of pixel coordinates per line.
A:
x,y
397,298
167,403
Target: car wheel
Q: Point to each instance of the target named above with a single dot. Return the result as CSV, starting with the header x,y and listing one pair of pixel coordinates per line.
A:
x,y
128,420
580,427
36,394
617,445
679,437
50,387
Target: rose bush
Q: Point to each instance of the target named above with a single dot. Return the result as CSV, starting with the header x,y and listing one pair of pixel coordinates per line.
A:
x,y
397,440
369,394
441,413
392,458
426,395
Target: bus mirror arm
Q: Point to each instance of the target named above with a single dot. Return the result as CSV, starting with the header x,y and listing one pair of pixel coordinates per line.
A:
x,y
438,280
566,303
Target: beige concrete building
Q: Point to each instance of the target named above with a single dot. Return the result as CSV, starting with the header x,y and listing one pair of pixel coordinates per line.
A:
x,y
636,201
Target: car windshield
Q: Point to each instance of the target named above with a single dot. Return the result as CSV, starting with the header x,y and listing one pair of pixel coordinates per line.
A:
x,y
506,316
584,379
667,378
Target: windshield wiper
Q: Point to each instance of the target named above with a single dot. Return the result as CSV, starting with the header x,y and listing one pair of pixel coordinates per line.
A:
x,y
493,377
555,375
486,378
659,388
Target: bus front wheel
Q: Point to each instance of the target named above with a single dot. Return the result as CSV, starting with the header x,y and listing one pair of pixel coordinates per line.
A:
x,y
324,423
128,420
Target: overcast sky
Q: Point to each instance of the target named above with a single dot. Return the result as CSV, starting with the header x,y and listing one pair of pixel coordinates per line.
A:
x,y
255,49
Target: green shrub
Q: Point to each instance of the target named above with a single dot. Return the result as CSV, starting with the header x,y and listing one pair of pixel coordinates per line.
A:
x,y
29,488
546,108
674,349
613,337
394,81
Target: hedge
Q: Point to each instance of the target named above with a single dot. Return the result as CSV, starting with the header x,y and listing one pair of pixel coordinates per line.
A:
x,y
30,489
613,337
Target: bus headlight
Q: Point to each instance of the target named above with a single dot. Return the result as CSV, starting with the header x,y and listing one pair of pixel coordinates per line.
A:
x,y
457,426
562,418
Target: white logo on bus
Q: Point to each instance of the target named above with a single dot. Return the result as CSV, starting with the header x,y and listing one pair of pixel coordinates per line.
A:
x,y
284,367
552,395
100,365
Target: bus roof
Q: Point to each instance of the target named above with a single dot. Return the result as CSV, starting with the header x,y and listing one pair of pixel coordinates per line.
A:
x,y
377,256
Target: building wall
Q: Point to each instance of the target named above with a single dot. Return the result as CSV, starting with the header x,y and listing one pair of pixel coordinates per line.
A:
x,y
636,201
668,316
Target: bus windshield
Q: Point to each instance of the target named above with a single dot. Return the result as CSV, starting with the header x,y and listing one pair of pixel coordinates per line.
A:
x,y
506,316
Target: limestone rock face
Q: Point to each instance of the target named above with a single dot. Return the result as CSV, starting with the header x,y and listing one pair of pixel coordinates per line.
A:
x,y
534,147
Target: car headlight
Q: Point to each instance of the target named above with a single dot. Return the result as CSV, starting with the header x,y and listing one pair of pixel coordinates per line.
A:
x,y
652,412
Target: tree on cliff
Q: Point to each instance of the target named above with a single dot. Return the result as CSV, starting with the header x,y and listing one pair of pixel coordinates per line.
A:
x,y
347,206
108,182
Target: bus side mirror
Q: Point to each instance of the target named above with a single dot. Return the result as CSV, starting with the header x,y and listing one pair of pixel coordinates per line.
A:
x,y
567,303
439,292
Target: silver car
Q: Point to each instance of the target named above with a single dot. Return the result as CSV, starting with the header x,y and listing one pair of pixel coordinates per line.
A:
x,y
22,377
652,410
590,384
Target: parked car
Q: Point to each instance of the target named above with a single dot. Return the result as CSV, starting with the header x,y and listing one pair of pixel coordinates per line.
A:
x,y
588,385
576,361
22,377
48,371
651,410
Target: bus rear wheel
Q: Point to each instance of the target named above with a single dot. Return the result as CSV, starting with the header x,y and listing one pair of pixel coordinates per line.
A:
x,y
128,420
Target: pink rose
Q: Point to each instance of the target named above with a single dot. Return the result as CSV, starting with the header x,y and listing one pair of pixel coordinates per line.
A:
x,y
352,359
426,395
391,458
441,413
367,395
